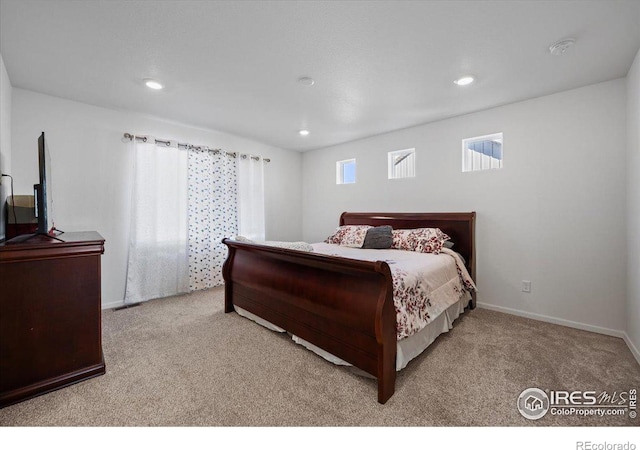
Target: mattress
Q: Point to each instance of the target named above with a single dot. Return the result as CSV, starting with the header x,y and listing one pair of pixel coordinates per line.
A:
x,y
424,284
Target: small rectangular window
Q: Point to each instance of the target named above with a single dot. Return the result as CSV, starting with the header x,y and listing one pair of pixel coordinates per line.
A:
x,y
482,153
346,171
402,163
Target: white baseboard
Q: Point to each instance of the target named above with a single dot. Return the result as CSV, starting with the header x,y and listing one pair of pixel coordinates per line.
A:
x,y
632,347
555,320
112,305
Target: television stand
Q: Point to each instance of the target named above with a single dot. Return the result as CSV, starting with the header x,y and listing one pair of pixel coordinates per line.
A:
x,y
50,313
26,237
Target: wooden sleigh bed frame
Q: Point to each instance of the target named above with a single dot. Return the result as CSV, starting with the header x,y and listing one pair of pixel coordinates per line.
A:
x,y
344,306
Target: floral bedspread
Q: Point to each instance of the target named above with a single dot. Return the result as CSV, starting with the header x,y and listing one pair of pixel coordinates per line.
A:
x,y
424,284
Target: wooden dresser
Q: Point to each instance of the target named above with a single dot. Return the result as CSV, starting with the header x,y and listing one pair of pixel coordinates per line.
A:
x,y
50,314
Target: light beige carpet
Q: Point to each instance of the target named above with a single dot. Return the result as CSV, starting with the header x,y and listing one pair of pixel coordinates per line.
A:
x,y
182,362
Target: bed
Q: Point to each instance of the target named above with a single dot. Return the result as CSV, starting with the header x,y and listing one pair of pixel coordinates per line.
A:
x,y
340,307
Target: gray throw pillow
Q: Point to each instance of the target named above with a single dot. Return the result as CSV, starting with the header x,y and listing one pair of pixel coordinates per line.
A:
x,y
379,237
447,244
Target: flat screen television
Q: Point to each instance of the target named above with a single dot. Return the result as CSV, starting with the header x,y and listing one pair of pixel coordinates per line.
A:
x,y
42,190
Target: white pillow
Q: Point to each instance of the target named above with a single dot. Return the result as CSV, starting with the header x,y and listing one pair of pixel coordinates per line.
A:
x,y
300,246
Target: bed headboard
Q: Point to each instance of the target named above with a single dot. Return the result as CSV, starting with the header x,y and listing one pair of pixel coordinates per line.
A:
x,y
459,226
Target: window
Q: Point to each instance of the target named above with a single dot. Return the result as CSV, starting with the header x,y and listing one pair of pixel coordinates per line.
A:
x,y
482,153
402,163
346,171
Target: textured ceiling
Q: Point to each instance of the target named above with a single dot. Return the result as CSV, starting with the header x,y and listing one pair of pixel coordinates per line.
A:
x,y
378,66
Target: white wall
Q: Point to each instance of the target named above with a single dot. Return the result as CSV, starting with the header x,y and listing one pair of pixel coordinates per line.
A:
x,y
5,141
554,215
92,171
633,206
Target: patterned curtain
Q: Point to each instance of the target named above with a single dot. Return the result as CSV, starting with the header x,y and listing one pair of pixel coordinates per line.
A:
x,y
213,214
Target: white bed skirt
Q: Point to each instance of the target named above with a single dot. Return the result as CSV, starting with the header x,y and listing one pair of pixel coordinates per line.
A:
x,y
407,349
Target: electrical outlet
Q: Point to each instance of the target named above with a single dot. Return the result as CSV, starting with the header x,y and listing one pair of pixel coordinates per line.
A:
x,y
526,286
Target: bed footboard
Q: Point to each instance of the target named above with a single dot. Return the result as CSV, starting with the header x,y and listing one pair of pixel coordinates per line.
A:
x,y
341,305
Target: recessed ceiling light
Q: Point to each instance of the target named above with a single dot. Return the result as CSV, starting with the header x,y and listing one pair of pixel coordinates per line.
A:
x,y
303,132
306,81
153,84
464,81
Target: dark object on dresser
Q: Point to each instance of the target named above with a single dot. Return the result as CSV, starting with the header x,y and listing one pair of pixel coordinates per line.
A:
x,y
20,216
344,306
50,314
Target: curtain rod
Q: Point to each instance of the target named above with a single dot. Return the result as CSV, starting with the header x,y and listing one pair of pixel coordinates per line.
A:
x,y
131,137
